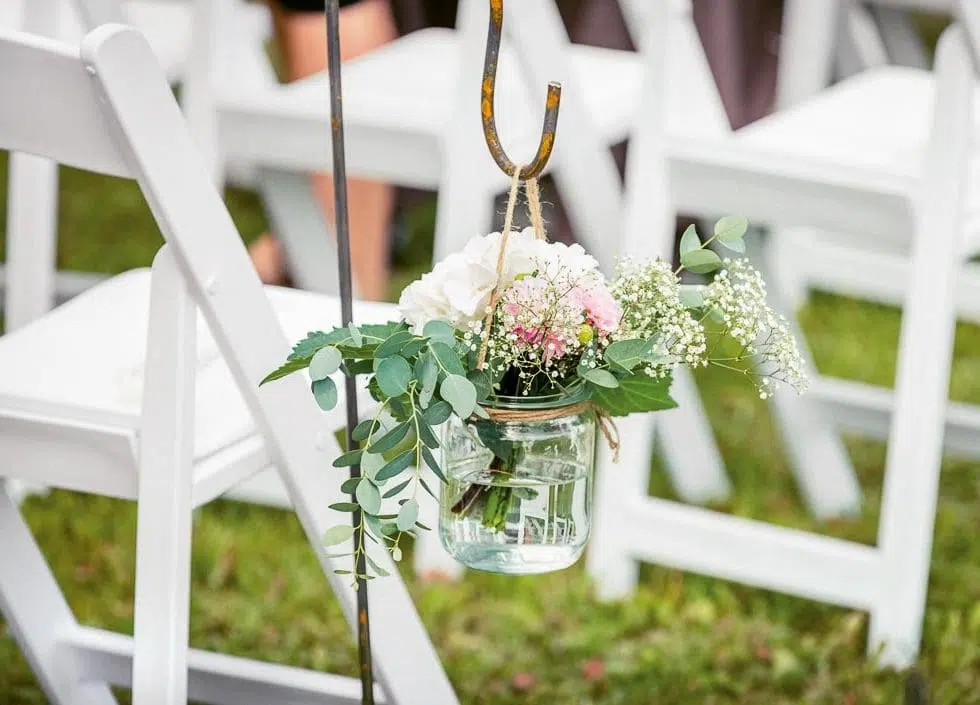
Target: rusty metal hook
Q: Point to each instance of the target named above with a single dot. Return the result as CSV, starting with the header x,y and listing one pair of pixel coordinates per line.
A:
x,y
552,104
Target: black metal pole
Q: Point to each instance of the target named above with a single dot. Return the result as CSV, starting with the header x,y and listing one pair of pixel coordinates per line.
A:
x,y
347,315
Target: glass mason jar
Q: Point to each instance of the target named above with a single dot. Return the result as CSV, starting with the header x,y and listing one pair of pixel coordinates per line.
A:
x,y
519,493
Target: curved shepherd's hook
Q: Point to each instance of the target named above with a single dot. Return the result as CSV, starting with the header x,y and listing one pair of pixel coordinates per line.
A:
x,y
552,103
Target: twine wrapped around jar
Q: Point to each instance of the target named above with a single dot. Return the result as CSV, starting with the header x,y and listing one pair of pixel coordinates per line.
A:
x,y
603,419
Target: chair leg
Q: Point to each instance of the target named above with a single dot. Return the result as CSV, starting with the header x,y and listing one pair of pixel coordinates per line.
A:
x,y
431,558
915,443
302,228
690,452
608,562
818,457
36,612
163,541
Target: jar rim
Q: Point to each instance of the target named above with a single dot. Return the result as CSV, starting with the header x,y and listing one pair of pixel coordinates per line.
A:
x,y
574,394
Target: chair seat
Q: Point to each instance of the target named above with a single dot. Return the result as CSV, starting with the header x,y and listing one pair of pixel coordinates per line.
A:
x,y
398,102
874,125
92,348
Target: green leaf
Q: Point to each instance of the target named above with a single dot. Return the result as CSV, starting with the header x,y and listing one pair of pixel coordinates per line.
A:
x,y
377,332
368,496
413,347
408,515
690,241
314,340
355,335
437,413
481,381
691,295
422,526
434,467
426,488
395,467
394,374
391,439
427,372
348,459
600,378
350,485
337,534
627,354
363,430
731,228
344,507
735,246
701,261
374,524
325,393
326,361
359,367
447,359
427,436
459,392
381,572
287,369
393,344
396,489
440,331
371,463
636,393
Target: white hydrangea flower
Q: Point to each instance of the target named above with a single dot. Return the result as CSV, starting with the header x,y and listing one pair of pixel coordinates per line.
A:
x,y
458,288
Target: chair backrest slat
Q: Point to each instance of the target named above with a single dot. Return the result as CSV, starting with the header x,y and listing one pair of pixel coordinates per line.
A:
x,y
58,116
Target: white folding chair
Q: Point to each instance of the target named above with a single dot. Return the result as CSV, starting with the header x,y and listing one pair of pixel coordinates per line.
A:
x,y
823,40
146,404
828,189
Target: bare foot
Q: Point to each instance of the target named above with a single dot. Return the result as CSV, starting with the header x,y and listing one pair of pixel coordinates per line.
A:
x,y
268,260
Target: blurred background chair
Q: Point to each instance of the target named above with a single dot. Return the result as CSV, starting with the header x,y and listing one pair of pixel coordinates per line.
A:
x,y
848,171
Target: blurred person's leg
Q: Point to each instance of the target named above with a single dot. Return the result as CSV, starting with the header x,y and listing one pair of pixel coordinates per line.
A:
x,y
301,36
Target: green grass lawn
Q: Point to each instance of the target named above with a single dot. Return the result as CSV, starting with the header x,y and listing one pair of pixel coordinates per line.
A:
x,y
683,639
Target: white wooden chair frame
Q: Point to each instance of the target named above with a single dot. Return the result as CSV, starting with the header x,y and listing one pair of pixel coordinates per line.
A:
x,y
109,109
889,580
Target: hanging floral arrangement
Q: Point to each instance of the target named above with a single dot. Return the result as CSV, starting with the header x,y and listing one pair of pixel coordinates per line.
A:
x,y
509,356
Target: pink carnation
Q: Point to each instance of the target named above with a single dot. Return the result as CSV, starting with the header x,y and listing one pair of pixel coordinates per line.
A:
x,y
601,308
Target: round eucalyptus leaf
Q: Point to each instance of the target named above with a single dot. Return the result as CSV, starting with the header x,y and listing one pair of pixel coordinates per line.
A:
x,y
601,378
731,228
325,393
368,496
408,515
690,240
441,331
371,463
326,361
460,393
393,375
701,261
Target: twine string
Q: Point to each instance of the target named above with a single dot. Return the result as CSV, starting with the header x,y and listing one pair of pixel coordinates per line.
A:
x,y
534,208
495,294
603,420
